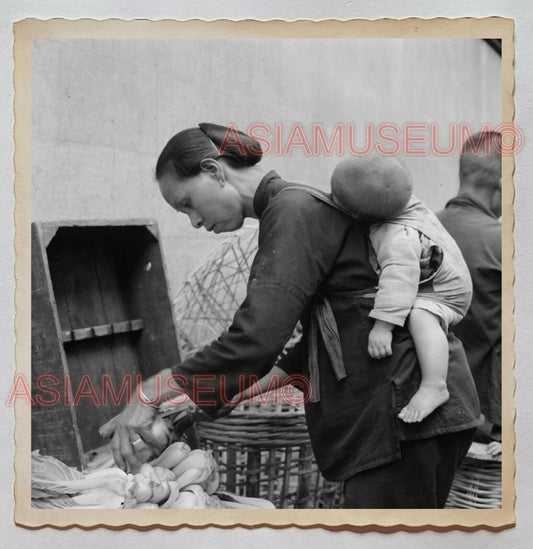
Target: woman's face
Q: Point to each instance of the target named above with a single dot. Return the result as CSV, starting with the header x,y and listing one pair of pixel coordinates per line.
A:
x,y
209,202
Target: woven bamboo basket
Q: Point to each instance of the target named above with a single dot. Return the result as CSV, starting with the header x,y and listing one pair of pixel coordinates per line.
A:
x,y
478,482
205,304
263,448
264,451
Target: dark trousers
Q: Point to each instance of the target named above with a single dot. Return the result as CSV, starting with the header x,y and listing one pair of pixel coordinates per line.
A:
x,y
421,479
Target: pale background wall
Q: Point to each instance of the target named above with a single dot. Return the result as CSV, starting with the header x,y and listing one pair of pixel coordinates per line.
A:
x,y
103,109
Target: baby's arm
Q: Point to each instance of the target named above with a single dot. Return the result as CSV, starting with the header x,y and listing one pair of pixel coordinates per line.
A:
x,y
397,248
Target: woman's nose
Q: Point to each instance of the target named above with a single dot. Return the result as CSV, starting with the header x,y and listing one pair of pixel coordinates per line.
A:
x,y
196,220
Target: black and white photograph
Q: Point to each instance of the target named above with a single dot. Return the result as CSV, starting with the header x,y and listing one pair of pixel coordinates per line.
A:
x,y
268,269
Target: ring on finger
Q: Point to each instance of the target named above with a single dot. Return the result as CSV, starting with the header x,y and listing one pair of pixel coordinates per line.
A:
x,y
137,441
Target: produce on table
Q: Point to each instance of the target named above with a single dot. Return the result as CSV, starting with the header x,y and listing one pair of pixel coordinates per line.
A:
x,y
188,500
146,506
178,479
193,497
198,467
172,455
232,501
55,485
151,485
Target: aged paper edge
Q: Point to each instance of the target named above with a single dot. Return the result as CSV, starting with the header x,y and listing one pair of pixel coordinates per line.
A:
x,y
345,519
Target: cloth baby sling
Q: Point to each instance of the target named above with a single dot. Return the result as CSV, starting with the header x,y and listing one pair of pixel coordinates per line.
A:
x,y
323,322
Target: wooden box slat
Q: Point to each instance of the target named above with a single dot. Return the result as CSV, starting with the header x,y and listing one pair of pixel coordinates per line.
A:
x,y
61,437
102,330
101,302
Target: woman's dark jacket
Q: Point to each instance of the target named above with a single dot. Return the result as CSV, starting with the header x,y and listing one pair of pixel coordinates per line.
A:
x,y
306,248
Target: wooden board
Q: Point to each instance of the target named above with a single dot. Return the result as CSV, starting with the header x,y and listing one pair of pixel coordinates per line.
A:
x,y
146,292
54,429
107,292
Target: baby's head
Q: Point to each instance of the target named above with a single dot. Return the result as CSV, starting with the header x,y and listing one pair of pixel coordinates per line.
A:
x,y
371,187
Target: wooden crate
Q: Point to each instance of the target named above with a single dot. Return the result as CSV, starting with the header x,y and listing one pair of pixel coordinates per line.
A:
x,y
100,309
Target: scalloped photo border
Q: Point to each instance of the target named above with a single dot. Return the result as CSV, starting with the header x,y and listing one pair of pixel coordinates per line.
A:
x,y
361,520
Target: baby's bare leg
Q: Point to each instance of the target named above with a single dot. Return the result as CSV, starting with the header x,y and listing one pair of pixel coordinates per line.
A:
x,y
431,346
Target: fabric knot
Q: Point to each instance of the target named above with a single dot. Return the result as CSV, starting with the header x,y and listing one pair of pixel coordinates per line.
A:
x,y
323,325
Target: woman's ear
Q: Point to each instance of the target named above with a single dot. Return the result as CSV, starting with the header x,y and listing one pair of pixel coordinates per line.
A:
x,y
213,168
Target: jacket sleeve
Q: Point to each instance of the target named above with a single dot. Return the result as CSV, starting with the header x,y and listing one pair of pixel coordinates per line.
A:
x,y
299,240
397,248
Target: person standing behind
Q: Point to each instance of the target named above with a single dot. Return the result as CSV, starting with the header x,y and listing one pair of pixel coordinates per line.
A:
x,y
472,219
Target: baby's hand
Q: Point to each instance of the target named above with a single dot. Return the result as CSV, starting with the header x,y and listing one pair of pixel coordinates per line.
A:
x,y
380,340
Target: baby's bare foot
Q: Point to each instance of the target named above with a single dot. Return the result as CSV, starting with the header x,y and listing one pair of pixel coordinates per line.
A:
x,y
428,397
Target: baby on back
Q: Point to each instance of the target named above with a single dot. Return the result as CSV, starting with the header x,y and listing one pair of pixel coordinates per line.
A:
x,y
423,278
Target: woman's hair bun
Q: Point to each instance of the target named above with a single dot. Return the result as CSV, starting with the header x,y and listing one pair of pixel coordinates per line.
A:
x,y
233,144
185,151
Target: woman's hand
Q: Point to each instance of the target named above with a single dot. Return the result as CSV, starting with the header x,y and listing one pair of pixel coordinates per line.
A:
x,y
138,431
131,431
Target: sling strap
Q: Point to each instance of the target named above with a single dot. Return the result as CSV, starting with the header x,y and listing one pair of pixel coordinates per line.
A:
x,y
323,323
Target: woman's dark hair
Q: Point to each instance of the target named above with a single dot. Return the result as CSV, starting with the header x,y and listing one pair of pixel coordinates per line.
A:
x,y
184,152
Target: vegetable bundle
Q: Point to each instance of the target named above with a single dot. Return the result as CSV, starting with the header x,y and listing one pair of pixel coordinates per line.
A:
x,y
180,478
